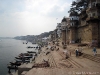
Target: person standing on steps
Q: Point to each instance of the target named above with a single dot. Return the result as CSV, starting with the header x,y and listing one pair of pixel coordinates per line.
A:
x,y
76,51
94,51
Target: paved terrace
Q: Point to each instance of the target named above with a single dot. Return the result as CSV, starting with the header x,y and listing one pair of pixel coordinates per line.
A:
x,y
61,66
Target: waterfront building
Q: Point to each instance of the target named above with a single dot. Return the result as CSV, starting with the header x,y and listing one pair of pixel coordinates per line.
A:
x,y
84,26
55,35
58,27
52,36
63,30
74,22
93,21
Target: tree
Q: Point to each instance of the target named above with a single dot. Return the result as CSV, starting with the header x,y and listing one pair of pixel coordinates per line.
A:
x,y
78,6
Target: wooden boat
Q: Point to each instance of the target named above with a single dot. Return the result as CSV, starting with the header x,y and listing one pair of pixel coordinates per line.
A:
x,y
22,60
18,57
29,47
12,67
17,60
15,63
31,52
27,56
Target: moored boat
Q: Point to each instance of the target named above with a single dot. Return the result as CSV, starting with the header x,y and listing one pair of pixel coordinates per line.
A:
x,y
15,63
12,67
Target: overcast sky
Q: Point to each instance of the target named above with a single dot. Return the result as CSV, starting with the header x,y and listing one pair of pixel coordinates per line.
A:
x,y
31,17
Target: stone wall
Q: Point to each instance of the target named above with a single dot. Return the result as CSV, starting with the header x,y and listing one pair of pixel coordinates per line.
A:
x,y
64,36
94,31
73,35
89,33
85,33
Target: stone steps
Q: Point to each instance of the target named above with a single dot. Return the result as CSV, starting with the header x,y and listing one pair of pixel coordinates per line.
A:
x,y
75,63
93,58
52,61
72,62
61,71
98,55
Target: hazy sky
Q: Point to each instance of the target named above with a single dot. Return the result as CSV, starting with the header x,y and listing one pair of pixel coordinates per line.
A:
x,y
31,17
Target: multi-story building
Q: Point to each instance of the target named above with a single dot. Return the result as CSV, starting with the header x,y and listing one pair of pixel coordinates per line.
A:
x,y
63,29
58,30
93,21
84,27
74,19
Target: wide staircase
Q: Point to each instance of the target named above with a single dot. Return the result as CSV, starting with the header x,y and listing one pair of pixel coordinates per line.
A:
x,y
52,61
91,57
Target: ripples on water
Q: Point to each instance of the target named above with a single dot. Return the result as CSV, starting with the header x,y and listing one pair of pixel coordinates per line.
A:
x,y
9,49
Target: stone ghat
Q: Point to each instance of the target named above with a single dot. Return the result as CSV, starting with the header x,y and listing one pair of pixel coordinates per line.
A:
x,y
62,71
58,64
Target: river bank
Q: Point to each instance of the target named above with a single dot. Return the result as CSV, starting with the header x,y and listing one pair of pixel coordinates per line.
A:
x,y
59,65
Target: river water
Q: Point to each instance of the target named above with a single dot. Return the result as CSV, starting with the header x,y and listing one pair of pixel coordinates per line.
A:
x,y
9,49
